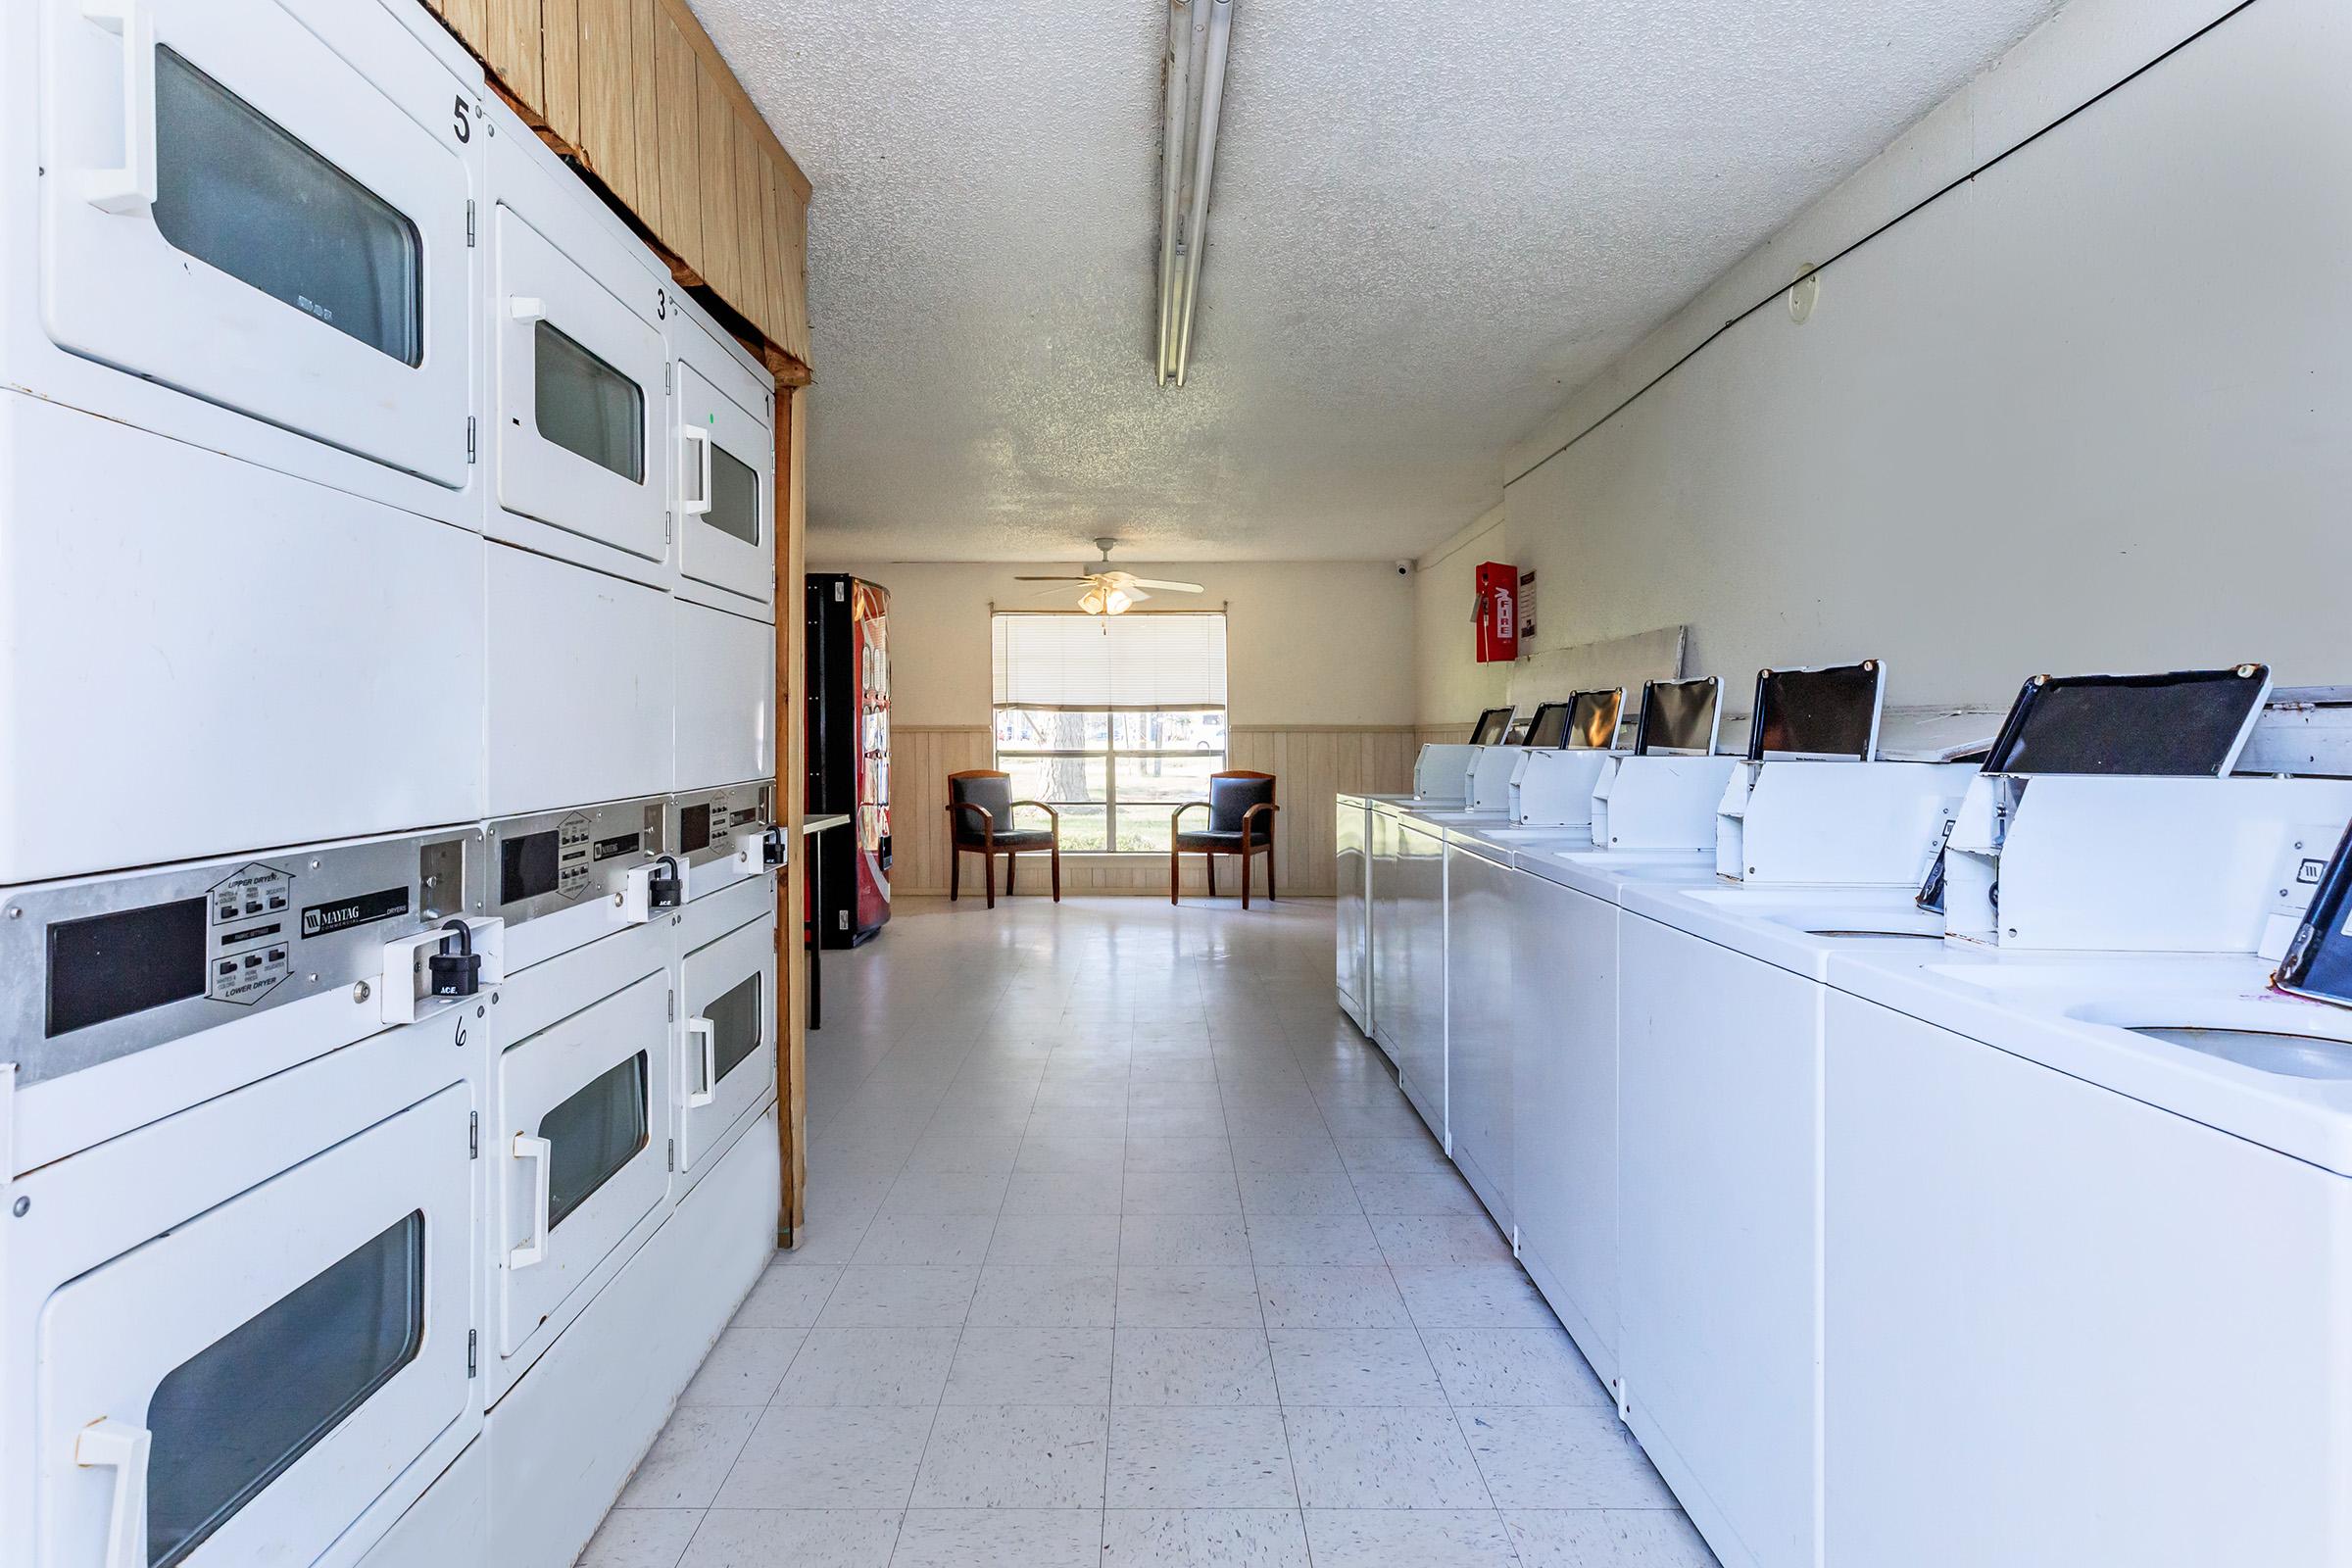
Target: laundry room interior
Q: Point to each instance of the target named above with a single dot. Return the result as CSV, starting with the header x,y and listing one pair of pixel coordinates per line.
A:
x,y
1186,784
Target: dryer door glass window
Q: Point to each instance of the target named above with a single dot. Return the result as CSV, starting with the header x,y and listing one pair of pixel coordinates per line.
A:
x,y
588,407
235,190
227,1421
734,496
735,1025
594,1134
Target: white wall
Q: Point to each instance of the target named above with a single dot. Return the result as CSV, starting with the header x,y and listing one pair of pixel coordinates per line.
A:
x,y
2089,410
1307,644
1451,686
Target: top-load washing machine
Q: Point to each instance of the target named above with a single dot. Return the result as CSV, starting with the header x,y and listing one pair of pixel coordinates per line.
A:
x,y
580,667
237,405
1488,1010
1724,1044
242,1293
2104,1168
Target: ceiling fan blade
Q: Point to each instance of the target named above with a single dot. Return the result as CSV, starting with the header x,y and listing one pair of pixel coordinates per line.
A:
x,y
1171,587
1135,595
1052,579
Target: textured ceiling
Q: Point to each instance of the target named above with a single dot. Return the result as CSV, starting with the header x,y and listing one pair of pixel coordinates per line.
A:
x,y
1430,222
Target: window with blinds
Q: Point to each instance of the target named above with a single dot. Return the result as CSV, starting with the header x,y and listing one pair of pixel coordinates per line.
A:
x,y
1114,722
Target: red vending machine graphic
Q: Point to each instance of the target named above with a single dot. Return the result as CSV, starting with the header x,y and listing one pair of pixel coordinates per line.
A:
x,y
849,752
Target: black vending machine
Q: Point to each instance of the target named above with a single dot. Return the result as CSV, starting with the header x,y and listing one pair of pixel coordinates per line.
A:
x,y
849,754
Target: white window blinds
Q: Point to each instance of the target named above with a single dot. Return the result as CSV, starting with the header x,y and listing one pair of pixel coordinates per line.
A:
x,y
1136,663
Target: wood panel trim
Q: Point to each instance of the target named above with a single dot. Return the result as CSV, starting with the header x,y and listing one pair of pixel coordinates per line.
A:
x,y
792,1033
1324,729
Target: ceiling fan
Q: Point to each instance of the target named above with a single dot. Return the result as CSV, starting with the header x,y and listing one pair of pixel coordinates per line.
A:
x,y
1115,593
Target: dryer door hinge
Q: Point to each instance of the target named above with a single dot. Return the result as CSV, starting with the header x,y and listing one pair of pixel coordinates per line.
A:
x,y
470,438
671,1011
469,224
667,384
673,1154
1625,1398
473,1135
472,1340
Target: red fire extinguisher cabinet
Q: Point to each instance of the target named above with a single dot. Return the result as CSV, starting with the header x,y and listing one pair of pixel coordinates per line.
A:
x,y
1498,613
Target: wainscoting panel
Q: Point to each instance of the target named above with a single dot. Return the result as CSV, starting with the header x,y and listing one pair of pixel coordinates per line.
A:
x,y
1311,765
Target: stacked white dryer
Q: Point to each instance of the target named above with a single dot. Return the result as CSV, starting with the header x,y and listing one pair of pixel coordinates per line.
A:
x,y
388,901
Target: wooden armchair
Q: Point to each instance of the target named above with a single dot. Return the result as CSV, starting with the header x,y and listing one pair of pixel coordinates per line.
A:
x,y
1241,822
980,808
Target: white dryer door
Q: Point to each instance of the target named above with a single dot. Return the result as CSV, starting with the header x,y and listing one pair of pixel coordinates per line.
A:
x,y
726,1034
265,211
726,470
579,389
244,1385
582,1151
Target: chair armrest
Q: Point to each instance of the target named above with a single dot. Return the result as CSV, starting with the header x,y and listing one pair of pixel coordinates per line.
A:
x,y
1248,825
1041,806
988,824
1176,817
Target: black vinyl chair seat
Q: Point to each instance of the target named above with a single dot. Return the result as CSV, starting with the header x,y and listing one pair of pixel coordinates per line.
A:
x,y
1209,837
1027,838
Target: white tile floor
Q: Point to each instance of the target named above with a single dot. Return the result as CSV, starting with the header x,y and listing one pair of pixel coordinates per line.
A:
x,y
1123,1247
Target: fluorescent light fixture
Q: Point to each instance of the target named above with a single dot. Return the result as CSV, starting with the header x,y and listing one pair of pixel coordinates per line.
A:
x,y
1199,33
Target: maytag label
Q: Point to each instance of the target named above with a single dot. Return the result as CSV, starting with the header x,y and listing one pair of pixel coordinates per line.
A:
x,y
365,909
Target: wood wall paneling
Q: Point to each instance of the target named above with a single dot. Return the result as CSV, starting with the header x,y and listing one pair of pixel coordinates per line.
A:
x,y
714,176
645,115
1311,766
608,136
509,44
560,68
468,18
756,300
678,122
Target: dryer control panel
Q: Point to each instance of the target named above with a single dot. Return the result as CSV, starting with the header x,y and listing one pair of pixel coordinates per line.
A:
x,y
710,820
101,967
551,860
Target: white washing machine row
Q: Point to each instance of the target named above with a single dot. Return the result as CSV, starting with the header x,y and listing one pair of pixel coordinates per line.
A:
x,y
1549,981
280,285
263,1181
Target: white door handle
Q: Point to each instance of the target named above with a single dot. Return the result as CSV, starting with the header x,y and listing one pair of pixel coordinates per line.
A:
x,y
708,1032
122,1447
542,1155
131,187
524,308
701,505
